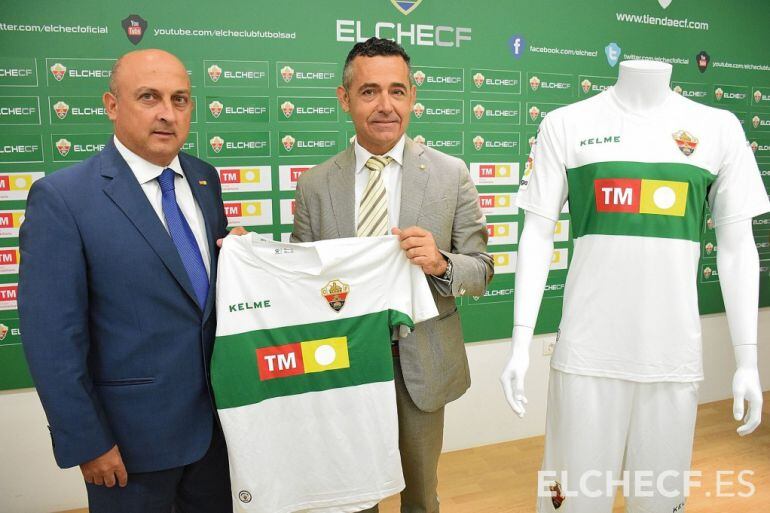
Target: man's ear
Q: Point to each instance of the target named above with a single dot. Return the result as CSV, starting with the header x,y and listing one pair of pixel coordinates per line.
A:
x,y
110,102
344,99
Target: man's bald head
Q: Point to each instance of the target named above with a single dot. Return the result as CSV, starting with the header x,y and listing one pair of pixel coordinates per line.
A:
x,y
148,56
149,104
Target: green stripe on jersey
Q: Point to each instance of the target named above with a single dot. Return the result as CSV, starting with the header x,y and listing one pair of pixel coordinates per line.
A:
x,y
251,367
664,200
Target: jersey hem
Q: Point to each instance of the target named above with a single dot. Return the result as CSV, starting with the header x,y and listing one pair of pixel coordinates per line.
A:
x,y
603,373
308,507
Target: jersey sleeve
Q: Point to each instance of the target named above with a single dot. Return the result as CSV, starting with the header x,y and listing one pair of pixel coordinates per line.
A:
x,y
737,193
543,187
410,298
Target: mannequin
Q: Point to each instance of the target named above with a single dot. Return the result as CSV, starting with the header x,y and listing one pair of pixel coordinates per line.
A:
x,y
643,90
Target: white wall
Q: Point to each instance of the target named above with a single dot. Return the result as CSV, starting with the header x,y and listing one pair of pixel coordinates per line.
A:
x,y
30,482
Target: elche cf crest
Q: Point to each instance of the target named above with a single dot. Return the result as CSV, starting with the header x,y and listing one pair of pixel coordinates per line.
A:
x,y
585,85
719,93
214,72
419,77
287,108
216,108
478,142
61,109
58,70
63,147
678,89
418,109
419,139
479,110
534,82
685,141
534,112
288,142
755,121
335,292
287,73
557,499
135,27
216,143
478,80
757,96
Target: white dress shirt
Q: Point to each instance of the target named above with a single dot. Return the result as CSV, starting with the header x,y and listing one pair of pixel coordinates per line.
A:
x,y
391,179
147,175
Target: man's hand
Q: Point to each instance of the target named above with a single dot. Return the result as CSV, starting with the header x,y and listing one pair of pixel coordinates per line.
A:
x,y
238,230
421,249
106,469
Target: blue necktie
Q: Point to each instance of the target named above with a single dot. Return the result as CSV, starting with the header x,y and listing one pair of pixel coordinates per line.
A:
x,y
183,238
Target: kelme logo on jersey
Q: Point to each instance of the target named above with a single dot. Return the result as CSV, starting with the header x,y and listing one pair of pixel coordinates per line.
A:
x,y
306,74
433,78
76,147
303,358
94,72
640,196
336,292
245,178
497,81
15,186
702,60
320,143
19,110
308,109
225,73
239,144
134,26
249,213
238,109
686,142
406,6
9,264
10,222
495,173
18,71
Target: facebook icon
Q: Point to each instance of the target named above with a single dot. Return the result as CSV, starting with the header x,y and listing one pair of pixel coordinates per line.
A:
x,y
517,44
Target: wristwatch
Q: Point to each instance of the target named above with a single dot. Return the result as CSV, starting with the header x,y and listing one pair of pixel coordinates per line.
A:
x,y
447,276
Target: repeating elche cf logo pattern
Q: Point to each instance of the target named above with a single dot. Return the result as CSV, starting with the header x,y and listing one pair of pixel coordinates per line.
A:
x,y
61,109
214,72
287,73
58,70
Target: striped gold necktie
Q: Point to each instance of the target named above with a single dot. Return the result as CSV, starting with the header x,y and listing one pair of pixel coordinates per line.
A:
x,y
373,209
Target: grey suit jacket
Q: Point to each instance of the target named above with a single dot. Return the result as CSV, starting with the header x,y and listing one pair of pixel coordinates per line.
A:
x,y
437,195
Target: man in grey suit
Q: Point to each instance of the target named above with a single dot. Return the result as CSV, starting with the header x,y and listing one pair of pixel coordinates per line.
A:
x,y
386,183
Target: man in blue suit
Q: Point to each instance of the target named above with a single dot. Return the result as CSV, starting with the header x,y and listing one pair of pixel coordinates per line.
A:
x,y
116,299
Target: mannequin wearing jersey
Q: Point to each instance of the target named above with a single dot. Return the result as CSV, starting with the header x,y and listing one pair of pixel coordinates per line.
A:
x,y
642,88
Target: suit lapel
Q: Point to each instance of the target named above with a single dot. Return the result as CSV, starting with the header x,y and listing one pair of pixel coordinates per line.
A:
x,y
342,192
414,180
207,202
124,190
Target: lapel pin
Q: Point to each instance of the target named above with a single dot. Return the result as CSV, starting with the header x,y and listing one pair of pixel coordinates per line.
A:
x,y
422,166
202,182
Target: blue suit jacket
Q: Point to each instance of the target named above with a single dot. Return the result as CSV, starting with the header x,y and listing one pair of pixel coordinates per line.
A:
x,y
116,343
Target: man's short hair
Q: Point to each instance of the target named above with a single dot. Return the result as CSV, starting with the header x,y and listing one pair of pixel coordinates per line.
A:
x,y
373,47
